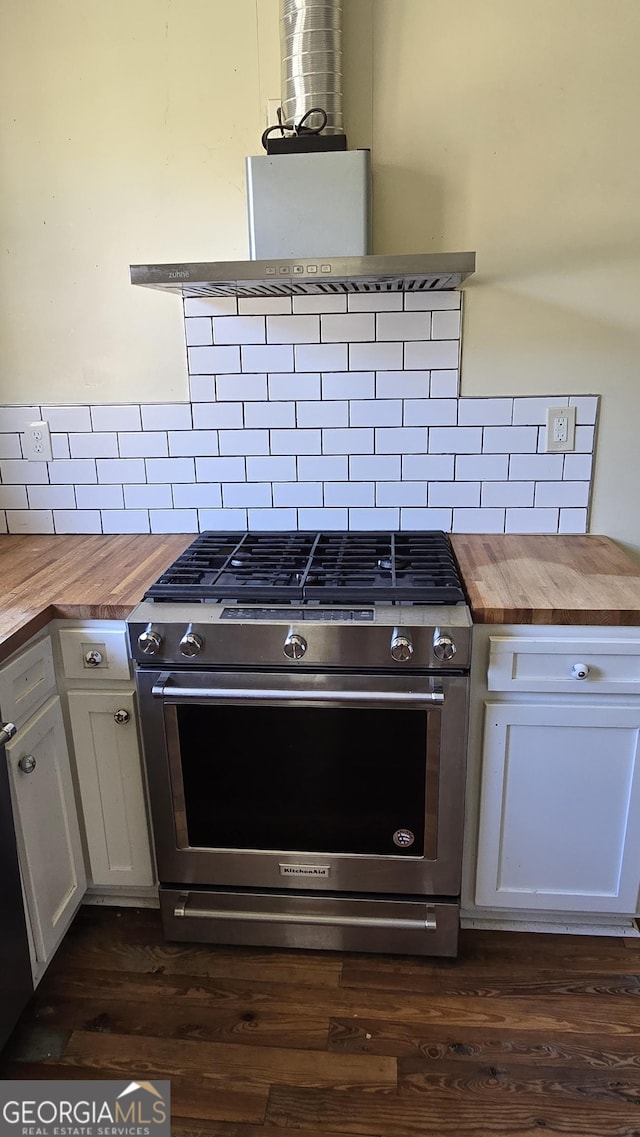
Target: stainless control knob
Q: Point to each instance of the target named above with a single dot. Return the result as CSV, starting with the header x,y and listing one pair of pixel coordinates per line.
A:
x,y
444,648
93,658
580,670
7,731
27,764
294,646
149,641
401,646
121,716
191,644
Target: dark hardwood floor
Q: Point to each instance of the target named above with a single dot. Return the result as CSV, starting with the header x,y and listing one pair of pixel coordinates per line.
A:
x,y
522,1034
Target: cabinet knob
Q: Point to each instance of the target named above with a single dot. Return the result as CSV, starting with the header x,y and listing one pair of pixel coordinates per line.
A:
x,y
580,670
93,658
121,716
27,764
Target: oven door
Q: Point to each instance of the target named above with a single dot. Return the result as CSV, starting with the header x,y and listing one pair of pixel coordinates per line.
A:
x,y
322,781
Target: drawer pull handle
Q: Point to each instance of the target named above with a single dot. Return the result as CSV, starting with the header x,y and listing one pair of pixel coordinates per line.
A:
x,y
580,670
27,764
93,658
121,716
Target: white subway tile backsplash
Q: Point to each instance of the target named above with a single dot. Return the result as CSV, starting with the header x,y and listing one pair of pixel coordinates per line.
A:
x,y
348,328
20,472
348,385
60,446
14,419
13,497
142,444
99,497
170,470
52,497
375,412
403,385
147,497
241,388
454,494
455,439
195,443
323,519
10,446
577,467
271,414
485,412
301,385
166,416
533,412
272,357
242,495
198,331
585,439
378,468
293,329
30,521
586,408
77,521
401,493
432,301
318,413
425,355
403,326
535,467
430,412
510,440
281,469
173,520
67,418
446,325
295,494
295,442
322,357
264,305
364,519
125,521
573,521
444,384
427,467
81,470
532,521
202,388
275,519
239,330
482,467
342,494
214,360
304,305
235,519
512,494
425,519
221,470
323,468
572,494
211,306
242,442
375,356
203,495
478,521
401,440
117,470
374,302
213,416
116,418
354,440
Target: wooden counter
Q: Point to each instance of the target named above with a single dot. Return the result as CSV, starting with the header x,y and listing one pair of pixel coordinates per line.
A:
x,y
548,579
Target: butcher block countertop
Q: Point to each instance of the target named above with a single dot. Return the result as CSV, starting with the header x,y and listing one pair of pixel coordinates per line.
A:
x,y
509,579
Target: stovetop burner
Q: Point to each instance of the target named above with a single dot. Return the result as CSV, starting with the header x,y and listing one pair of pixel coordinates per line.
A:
x,y
297,567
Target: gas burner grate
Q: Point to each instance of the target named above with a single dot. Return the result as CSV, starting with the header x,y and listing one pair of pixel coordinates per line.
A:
x,y
360,568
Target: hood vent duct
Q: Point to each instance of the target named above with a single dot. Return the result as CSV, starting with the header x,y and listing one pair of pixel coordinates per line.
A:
x,y
311,61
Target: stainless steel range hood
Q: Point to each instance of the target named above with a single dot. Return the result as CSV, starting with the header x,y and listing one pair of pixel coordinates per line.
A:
x,y
419,272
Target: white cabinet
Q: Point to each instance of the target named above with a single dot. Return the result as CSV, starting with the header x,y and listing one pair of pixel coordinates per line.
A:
x,y
553,804
47,831
103,725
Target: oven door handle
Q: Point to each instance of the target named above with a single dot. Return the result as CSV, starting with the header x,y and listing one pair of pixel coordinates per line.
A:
x,y
427,924
163,689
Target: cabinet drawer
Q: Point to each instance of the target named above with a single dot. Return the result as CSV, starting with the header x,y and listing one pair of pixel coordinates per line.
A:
x,y
88,653
27,682
579,665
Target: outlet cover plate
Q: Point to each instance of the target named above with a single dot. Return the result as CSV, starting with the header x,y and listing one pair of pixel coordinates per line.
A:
x,y
561,429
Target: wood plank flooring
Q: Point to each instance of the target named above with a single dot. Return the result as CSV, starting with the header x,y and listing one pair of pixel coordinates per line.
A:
x,y
522,1034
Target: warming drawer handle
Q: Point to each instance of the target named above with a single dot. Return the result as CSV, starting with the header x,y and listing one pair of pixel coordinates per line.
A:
x,y
163,689
428,924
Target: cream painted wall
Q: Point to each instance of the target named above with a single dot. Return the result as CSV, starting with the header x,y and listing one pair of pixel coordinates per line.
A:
x,y
504,126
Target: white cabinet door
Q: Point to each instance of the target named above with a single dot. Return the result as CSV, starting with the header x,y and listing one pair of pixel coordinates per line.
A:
x,y
47,829
110,775
560,808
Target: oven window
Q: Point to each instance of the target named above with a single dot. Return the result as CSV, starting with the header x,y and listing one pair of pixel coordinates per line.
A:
x,y
341,780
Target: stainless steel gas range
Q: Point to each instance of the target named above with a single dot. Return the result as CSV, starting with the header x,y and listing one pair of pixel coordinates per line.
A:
x,y
303,702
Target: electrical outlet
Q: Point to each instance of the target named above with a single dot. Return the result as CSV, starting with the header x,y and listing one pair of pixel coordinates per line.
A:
x,y
36,442
561,429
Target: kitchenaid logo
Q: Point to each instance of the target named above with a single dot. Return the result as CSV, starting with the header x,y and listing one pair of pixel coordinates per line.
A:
x,y
85,1109
304,870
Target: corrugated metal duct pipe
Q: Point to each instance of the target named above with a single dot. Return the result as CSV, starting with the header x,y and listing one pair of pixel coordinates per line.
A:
x,y
311,61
